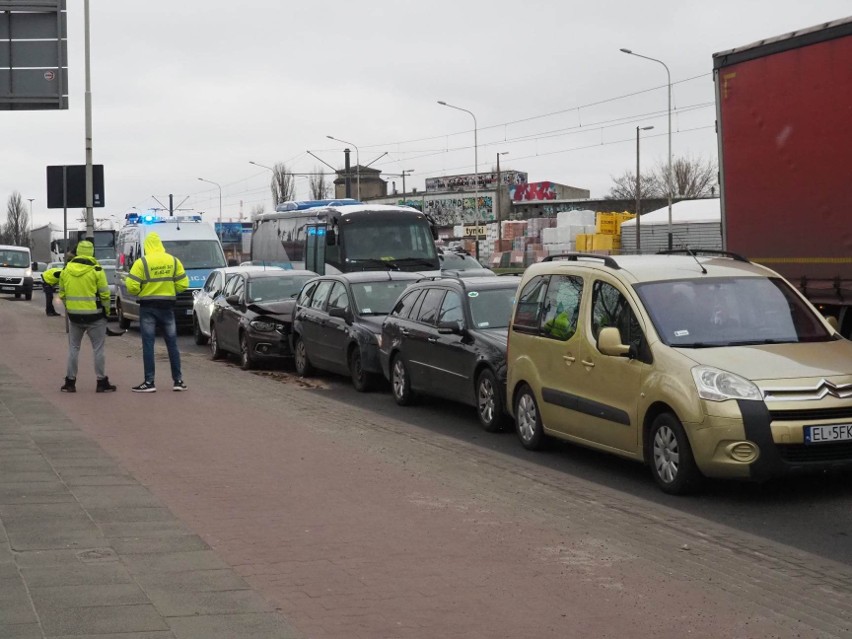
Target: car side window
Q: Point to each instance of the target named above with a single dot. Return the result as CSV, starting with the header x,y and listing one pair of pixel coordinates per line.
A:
x,y
431,305
339,298
610,308
404,305
528,310
321,294
305,294
239,286
229,286
561,308
451,308
214,283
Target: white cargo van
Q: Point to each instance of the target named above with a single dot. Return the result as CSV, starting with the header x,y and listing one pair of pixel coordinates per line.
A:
x,y
16,271
191,240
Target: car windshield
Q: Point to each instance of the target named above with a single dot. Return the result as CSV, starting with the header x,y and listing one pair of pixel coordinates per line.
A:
x,y
14,259
377,298
458,262
731,311
492,308
267,289
193,254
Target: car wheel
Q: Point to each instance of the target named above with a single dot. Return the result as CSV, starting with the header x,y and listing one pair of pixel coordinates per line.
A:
x,y
672,463
246,358
401,382
216,351
528,419
17,296
123,322
361,379
300,359
489,402
28,295
200,338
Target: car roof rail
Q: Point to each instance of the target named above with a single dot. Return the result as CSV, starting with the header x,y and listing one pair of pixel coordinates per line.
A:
x,y
446,275
699,251
573,257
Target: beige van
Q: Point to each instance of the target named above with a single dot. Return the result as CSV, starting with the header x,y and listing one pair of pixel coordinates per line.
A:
x,y
699,365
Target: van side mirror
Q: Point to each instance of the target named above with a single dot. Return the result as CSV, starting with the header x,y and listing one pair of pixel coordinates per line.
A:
x,y
609,342
34,266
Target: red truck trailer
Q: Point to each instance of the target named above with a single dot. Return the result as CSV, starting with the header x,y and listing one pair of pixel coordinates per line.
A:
x,y
784,125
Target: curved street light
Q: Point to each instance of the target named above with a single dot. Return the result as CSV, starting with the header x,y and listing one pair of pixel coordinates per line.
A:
x,y
475,155
357,164
220,195
670,177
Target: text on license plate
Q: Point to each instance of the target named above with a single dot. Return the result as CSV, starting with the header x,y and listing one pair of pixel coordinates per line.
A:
x,y
7,288
831,433
188,311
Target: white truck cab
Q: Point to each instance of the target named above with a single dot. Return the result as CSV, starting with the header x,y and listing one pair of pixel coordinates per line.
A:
x,y
16,271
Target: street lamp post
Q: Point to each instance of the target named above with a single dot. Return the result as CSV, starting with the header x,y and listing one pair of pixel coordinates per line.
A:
x,y
219,186
30,238
670,176
498,200
638,189
357,163
475,156
404,173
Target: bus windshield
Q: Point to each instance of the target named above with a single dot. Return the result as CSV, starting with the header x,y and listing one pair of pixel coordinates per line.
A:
x,y
403,244
194,254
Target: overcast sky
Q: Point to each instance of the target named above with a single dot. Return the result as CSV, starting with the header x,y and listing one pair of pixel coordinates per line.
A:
x,y
198,88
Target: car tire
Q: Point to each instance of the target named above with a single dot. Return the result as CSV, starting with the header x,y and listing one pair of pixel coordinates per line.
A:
x,y
17,296
216,351
489,402
28,295
123,322
670,456
200,338
246,359
362,380
400,381
300,358
528,419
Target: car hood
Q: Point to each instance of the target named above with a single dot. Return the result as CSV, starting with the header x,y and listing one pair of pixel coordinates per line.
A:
x,y
779,361
282,308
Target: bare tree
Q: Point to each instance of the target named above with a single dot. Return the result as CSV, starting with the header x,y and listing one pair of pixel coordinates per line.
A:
x,y
624,187
319,187
693,178
17,227
257,209
283,184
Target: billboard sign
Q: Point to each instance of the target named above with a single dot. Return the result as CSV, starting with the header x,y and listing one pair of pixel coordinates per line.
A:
x,y
66,186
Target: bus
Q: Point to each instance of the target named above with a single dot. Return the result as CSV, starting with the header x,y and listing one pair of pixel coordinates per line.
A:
x,y
342,236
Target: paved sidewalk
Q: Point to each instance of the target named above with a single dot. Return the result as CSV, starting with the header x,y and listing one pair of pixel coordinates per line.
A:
x,y
86,551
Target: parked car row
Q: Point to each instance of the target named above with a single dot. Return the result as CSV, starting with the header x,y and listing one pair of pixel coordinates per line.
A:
x,y
698,366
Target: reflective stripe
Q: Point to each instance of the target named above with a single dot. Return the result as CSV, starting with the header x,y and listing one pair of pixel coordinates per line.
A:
x,y
84,311
69,298
103,289
133,277
145,266
161,279
156,297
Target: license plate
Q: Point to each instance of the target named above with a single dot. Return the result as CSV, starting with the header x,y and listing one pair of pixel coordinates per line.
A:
x,y
188,311
7,288
830,433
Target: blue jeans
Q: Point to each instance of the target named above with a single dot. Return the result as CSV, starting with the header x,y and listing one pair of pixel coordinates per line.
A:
x,y
149,319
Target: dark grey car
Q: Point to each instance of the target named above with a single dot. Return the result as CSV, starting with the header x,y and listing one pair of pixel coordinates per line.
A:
x,y
337,324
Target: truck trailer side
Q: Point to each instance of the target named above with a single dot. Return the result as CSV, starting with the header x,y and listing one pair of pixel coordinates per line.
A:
x,y
784,127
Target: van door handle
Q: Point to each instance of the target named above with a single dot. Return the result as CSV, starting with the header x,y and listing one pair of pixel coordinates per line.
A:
x,y
569,359
589,364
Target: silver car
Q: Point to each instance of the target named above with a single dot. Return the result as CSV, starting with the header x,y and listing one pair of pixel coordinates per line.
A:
x,y
202,303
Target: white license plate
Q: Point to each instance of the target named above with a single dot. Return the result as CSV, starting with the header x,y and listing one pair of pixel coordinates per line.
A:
x,y
831,433
7,288
188,311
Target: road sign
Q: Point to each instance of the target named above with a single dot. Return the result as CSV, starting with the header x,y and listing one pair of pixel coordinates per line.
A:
x,y
33,55
70,192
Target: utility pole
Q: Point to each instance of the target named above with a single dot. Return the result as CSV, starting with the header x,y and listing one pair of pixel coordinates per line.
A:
x,y
498,212
638,189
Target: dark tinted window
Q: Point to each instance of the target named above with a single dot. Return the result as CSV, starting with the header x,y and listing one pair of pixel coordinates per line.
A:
x,y
321,294
403,306
528,311
431,305
339,298
305,296
451,308
230,284
610,308
561,308
214,282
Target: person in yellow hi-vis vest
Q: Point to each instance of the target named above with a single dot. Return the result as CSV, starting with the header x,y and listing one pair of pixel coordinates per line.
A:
x,y
84,290
49,282
156,279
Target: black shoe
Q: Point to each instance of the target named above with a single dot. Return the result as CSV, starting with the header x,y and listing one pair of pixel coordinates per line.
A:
x,y
104,386
179,386
145,387
53,314
70,386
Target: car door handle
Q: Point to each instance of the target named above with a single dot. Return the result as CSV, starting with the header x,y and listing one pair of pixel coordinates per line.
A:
x,y
587,363
404,331
432,340
569,359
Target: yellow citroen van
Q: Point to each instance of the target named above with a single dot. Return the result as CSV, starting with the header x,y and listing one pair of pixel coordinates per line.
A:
x,y
700,364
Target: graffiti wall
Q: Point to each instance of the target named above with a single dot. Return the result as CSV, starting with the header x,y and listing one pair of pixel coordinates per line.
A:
x,y
449,210
533,191
467,182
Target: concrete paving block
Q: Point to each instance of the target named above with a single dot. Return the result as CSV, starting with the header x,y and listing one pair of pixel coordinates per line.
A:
x,y
164,634
42,514
20,476
181,604
76,575
144,529
82,596
110,497
59,620
174,561
101,479
148,545
192,581
20,630
15,605
256,626
45,492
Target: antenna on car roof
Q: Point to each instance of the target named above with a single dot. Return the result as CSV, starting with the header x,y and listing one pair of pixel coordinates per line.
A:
x,y
701,266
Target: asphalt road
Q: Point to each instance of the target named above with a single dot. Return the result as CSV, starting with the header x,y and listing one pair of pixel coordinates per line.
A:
x,y
813,514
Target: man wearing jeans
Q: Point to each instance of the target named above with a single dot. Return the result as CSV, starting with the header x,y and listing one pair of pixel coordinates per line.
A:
x,y
155,280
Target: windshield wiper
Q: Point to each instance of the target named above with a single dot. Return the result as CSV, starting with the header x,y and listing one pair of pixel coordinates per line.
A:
x,y
697,345
390,265
758,342
422,261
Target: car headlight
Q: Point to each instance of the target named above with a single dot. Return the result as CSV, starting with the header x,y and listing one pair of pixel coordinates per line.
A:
x,y
28,273
266,327
718,385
